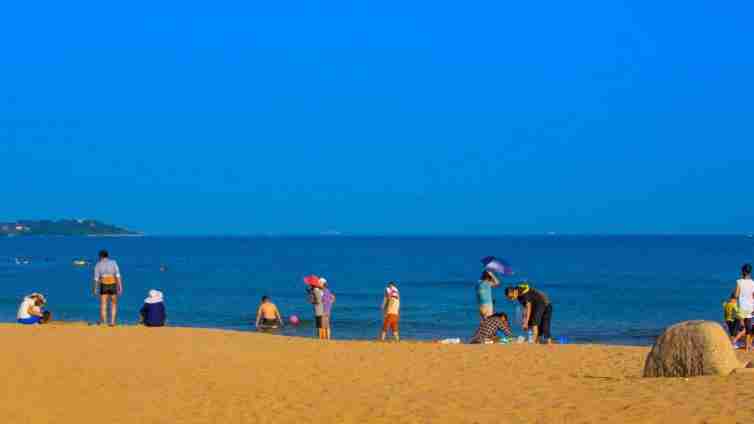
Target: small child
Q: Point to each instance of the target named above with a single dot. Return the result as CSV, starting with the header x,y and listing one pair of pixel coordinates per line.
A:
x,y
391,305
730,312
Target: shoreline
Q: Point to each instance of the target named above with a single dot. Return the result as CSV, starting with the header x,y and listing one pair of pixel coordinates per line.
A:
x,y
80,373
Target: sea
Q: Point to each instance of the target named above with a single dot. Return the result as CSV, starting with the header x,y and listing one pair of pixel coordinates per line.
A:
x,y
604,289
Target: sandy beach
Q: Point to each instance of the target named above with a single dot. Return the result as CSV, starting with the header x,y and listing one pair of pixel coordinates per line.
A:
x,y
66,374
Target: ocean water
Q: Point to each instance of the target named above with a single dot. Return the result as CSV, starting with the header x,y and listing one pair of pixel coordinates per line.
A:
x,y
604,289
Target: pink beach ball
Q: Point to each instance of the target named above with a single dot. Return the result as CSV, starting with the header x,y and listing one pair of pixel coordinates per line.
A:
x,y
293,319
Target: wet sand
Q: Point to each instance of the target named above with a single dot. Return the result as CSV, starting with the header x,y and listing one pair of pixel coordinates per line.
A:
x,y
73,374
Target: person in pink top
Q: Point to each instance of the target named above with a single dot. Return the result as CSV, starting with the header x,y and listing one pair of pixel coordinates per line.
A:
x,y
328,298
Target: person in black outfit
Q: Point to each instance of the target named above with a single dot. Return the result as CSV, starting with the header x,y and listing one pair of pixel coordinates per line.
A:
x,y
537,311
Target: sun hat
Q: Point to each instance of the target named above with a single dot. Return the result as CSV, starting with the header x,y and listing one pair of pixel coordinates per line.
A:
x,y
155,296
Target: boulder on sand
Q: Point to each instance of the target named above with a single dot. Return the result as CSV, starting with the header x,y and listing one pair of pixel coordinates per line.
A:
x,y
692,348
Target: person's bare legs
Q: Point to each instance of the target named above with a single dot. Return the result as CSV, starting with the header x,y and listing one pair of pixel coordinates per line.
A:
x,y
383,334
113,308
535,333
396,336
103,309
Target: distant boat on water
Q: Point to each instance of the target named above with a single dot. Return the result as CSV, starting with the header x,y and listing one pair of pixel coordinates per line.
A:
x,y
80,262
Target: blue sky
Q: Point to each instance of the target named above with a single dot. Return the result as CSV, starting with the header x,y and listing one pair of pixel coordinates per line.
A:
x,y
380,118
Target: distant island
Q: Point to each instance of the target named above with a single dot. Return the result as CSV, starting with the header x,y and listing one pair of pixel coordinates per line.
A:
x,y
63,227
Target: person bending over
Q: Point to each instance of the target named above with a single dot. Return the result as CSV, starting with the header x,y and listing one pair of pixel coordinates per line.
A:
x,y
268,316
537,314
489,327
31,310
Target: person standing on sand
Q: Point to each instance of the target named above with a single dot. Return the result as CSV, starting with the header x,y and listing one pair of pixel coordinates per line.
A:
x,y
391,307
745,293
315,297
109,285
484,294
328,298
537,311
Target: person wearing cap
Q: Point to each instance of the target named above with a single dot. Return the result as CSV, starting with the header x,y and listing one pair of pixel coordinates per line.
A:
x,y
109,285
391,306
328,298
537,310
152,313
31,310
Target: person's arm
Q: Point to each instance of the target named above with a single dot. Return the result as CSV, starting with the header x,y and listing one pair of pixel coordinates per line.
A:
x,y
384,305
34,311
118,279
505,327
527,316
96,280
259,315
494,279
737,290
278,317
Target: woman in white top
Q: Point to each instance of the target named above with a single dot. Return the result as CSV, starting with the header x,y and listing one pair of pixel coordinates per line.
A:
x,y
745,296
31,312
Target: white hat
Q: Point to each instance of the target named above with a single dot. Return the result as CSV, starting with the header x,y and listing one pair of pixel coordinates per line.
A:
x,y
322,281
155,296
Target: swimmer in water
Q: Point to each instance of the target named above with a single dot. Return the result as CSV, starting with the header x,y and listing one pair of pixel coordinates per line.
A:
x,y
268,315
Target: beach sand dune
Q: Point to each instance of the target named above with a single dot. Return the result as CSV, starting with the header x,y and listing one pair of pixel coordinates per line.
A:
x,y
73,374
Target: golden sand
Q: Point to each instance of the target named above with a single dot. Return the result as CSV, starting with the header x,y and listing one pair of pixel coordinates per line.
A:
x,y
73,374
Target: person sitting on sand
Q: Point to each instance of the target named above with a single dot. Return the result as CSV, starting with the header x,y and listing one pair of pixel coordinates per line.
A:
x,y
328,298
730,314
152,313
31,310
537,311
484,294
108,284
391,306
745,295
268,315
489,327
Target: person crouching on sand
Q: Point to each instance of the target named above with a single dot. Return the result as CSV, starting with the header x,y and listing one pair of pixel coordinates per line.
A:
x,y
489,327
391,306
31,310
152,313
268,316
537,311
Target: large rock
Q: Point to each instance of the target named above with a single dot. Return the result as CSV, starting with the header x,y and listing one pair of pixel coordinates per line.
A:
x,y
692,348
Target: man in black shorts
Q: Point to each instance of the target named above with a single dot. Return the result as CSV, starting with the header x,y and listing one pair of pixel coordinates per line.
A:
x,y
537,311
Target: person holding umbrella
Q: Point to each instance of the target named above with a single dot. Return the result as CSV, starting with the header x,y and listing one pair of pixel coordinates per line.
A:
x,y
487,281
315,298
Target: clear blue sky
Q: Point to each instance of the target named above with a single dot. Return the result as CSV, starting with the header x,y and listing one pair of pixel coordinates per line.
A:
x,y
382,117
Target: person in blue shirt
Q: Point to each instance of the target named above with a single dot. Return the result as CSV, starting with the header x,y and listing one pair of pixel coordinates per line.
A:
x,y
153,312
484,294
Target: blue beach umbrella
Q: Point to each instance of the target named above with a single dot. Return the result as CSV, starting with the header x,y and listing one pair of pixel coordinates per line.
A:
x,y
494,264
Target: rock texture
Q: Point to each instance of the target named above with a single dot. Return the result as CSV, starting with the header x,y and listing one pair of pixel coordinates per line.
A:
x,y
690,349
